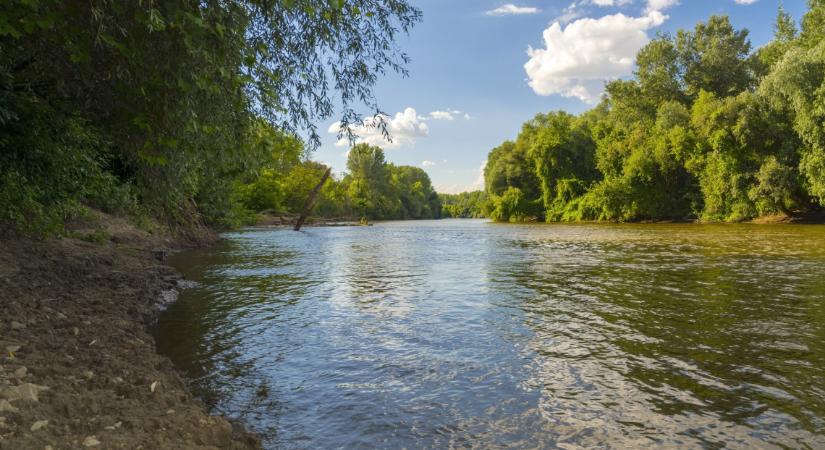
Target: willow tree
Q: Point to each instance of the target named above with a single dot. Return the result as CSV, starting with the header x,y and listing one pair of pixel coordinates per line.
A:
x,y
169,90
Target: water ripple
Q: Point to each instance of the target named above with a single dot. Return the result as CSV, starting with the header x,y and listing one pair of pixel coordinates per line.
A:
x,y
467,334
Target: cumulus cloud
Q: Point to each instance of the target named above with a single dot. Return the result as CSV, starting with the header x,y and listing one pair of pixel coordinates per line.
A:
x,y
745,2
510,9
578,58
426,163
404,129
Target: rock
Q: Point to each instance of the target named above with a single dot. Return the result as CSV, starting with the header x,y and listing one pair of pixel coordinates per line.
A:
x,y
5,406
39,424
91,441
154,386
75,330
88,374
114,427
26,391
17,325
20,372
48,447
13,348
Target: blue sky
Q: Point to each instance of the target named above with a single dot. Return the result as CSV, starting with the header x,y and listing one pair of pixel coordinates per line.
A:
x,y
469,87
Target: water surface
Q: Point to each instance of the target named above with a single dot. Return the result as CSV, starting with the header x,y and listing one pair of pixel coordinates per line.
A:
x,y
462,333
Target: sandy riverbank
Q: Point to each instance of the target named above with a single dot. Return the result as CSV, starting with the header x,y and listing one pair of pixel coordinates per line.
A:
x,y
78,367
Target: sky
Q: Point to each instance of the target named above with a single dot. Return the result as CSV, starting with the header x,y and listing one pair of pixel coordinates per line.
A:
x,y
481,68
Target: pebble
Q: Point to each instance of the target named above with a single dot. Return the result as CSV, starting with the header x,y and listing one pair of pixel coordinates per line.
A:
x,y
17,325
20,372
91,441
13,348
75,330
88,374
25,391
114,427
5,406
39,424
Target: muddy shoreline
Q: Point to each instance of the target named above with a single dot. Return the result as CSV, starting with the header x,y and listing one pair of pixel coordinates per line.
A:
x,y
79,368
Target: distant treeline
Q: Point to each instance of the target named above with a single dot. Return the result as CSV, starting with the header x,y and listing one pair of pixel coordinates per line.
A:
x,y
371,188
466,205
168,111
707,130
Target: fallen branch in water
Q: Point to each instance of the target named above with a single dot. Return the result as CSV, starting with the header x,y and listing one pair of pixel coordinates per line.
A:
x,y
313,197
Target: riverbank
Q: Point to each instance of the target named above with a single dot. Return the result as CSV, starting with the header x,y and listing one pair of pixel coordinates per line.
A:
x,y
79,368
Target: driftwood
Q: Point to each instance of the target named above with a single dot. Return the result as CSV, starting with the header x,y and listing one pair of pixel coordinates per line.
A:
x,y
313,197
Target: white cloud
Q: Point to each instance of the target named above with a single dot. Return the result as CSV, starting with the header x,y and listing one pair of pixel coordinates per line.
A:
x,y
478,184
404,129
660,5
610,2
444,115
745,2
510,9
426,163
569,14
579,57
466,116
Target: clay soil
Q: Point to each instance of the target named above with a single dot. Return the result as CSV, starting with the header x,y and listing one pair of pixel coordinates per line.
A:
x,y
78,367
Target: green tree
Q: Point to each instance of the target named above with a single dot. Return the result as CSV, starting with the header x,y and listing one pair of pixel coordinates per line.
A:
x,y
172,89
509,165
784,38
796,87
714,58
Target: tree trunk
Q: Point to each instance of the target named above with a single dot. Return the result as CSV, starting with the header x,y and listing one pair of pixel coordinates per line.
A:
x,y
313,197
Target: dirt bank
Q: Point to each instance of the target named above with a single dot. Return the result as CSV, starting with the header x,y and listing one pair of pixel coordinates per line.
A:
x,y
78,368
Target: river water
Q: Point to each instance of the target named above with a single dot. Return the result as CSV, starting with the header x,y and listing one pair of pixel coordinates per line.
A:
x,y
465,333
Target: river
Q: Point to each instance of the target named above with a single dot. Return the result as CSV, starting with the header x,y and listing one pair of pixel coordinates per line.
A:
x,y
465,333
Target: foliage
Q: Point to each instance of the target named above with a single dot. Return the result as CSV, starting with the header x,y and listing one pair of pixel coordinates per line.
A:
x,y
378,190
513,206
175,93
707,130
465,205
373,188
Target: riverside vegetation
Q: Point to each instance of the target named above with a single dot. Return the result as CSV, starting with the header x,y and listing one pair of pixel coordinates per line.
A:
x,y
186,114
708,129
169,115
182,112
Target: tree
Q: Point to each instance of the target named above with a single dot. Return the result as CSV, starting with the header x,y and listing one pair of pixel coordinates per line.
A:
x,y
785,35
171,90
508,165
657,71
813,24
714,58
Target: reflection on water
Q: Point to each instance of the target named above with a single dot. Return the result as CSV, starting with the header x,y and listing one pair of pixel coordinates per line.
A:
x,y
467,333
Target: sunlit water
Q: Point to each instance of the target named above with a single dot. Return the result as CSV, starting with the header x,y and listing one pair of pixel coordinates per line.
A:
x,y
471,334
